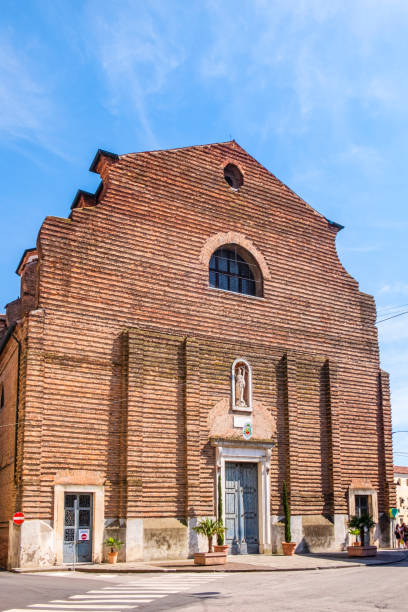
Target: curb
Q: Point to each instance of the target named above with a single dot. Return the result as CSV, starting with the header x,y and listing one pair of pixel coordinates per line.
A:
x,y
189,570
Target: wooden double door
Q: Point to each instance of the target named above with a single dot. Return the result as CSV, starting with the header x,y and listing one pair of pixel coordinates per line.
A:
x,y
241,507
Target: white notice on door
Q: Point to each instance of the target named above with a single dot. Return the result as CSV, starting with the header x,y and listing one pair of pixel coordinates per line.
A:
x,y
241,421
83,535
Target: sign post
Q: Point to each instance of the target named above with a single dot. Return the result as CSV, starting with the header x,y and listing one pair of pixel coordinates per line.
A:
x,y
75,542
393,516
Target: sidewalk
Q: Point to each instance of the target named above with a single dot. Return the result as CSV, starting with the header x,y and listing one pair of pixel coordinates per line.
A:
x,y
240,563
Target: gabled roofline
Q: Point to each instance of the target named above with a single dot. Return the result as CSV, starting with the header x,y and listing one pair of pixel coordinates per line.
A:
x,y
200,146
114,156
101,153
79,193
82,192
22,258
401,469
334,224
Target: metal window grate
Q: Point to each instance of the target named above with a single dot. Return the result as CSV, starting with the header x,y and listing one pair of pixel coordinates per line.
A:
x,y
231,272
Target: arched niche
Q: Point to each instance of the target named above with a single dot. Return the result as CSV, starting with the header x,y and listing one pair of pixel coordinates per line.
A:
x,y
241,385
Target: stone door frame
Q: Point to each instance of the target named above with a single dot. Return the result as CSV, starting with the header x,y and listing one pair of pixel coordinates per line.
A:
x,y
98,512
249,452
364,488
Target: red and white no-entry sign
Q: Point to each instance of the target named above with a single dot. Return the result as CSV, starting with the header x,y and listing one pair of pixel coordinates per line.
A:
x,y
83,535
18,518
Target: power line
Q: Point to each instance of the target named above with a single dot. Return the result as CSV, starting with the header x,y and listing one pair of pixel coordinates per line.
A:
x,y
390,308
389,312
393,317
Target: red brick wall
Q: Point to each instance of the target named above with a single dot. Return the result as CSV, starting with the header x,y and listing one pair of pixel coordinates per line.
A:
x,y
8,381
135,260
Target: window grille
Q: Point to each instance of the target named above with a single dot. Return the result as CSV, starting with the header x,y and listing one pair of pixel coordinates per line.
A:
x,y
229,270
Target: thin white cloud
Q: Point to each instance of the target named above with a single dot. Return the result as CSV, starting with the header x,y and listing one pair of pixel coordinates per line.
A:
x,y
319,53
393,336
137,50
366,158
360,249
393,330
399,288
399,404
27,111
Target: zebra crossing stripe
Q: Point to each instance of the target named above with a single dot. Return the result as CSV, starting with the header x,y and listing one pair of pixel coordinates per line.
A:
x,y
120,593
117,597
121,598
67,605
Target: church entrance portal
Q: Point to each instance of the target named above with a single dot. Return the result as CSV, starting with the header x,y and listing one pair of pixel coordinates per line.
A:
x,y
241,507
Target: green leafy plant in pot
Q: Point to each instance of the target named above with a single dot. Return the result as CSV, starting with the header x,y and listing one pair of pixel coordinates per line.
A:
x,y
209,528
115,546
288,546
360,526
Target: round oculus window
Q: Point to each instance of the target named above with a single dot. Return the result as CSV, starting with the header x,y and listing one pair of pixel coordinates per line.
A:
x,y
233,176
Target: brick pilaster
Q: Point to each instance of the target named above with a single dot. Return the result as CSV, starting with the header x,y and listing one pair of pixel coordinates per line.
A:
x,y
33,495
292,470
385,444
192,426
134,467
339,505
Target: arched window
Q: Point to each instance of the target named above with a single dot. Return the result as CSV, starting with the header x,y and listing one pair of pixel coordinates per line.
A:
x,y
232,268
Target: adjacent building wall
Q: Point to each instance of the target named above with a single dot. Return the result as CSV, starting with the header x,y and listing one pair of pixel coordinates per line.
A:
x,y
401,484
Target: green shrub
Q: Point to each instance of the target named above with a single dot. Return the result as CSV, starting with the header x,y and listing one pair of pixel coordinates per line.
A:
x,y
360,525
286,512
208,528
113,544
220,534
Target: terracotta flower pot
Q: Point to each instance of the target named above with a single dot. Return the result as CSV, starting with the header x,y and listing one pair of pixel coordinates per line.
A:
x,y
221,548
113,556
288,548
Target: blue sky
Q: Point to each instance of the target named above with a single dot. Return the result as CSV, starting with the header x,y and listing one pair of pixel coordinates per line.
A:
x,y
315,90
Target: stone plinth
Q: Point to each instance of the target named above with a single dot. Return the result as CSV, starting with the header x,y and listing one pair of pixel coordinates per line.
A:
x,y
214,558
361,551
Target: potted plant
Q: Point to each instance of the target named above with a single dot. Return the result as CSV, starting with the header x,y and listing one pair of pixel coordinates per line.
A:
x,y
288,546
209,528
114,545
355,531
360,526
220,546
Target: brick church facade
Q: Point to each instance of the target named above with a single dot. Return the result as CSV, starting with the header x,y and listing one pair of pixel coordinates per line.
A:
x,y
189,322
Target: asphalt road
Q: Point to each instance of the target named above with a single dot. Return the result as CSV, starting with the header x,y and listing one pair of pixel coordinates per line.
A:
x,y
357,589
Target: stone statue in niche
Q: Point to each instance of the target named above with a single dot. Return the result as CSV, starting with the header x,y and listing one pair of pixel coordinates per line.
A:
x,y
241,386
